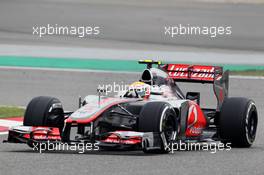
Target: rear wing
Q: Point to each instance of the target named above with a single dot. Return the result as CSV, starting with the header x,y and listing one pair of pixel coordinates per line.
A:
x,y
197,74
202,74
194,73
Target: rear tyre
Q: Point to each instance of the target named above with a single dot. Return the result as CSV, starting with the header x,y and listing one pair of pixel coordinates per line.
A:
x,y
44,111
158,117
238,122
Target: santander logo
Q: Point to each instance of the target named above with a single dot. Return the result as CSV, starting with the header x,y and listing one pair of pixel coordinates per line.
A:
x,y
196,121
193,116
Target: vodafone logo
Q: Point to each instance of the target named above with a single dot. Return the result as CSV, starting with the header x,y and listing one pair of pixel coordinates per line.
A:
x,y
197,71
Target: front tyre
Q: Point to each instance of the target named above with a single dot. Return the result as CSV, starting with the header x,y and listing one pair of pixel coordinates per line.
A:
x,y
238,122
44,111
159,117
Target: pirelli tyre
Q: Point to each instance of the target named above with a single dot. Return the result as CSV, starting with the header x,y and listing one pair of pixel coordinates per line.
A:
x,y
159,118
44,111
238,122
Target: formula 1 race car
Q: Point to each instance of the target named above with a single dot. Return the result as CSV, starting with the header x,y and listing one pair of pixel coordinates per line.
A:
x,y
150,115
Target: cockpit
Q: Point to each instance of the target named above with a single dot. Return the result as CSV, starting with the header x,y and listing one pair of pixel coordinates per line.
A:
x,y
154,83
155,76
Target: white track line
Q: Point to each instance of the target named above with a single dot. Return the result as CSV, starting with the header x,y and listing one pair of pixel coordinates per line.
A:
x,y
9,123
3,133
247,77
65,70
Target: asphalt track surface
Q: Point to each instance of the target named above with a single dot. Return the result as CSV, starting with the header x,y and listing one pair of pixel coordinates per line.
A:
x,y
133,24
19,86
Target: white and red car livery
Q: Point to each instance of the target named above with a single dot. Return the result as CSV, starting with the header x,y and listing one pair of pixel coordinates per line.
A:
x,y
150,118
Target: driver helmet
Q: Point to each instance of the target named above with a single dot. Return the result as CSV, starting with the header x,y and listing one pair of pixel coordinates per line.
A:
x,y
139,90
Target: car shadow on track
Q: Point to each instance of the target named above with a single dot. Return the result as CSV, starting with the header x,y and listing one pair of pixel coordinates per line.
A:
x,y
101,152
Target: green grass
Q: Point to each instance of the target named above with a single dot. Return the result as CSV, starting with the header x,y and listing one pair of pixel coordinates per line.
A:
x,y
10,111
248,73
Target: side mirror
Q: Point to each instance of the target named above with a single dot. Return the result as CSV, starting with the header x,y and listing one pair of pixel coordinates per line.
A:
x,y
194,96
